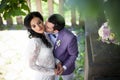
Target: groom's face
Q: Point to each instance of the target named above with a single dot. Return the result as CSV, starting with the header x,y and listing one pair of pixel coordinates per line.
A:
x,y
49,27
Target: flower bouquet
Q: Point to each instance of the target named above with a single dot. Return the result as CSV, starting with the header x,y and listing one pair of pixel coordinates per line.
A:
x,y
106,35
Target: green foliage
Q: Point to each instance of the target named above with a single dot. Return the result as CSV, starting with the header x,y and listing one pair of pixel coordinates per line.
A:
x,y
113,15
86,8
14,27
60,78
11,8
44,0
79,71
1,27
19,27
92,8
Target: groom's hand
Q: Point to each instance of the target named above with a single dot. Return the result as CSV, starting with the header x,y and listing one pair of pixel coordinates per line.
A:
x,y
60,69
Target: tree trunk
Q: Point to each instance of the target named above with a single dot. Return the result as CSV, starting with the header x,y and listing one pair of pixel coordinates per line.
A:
x,y
39,5
81,23
19,20
50,7
29,4
73,17
1,22
61,8
9,21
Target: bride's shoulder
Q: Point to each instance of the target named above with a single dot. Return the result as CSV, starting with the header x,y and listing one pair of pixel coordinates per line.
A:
x,y
34,40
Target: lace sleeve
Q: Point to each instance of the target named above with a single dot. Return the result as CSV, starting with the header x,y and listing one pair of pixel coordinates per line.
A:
x,y
33,54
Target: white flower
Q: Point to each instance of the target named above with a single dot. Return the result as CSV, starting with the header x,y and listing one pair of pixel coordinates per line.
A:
x,y
106,35
58,43
104,32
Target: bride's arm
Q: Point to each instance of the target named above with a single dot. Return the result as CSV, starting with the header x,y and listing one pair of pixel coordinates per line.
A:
x,y
33,55
41,69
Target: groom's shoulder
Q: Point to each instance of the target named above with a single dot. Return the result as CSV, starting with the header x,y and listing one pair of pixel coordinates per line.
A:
x,y
69,33
67,36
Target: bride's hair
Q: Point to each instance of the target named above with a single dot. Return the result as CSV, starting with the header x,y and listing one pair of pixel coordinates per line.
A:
x,y
27,20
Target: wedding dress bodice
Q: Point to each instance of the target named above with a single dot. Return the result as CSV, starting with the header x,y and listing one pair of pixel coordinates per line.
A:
x,y
41,59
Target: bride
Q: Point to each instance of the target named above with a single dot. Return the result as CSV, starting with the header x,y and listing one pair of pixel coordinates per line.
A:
x,y
41,58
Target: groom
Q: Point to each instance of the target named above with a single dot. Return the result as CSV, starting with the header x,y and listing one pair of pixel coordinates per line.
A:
x,y
65,45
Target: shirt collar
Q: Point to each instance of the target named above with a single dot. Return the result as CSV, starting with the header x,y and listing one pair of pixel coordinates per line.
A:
x,y
56,34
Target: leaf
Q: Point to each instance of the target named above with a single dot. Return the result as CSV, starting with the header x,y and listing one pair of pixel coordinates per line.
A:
x,y
6,15
19,12
44,0
11,8
25,7
2,6
112,13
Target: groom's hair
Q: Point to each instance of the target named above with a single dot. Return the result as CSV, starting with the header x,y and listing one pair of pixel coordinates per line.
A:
x,y
58,21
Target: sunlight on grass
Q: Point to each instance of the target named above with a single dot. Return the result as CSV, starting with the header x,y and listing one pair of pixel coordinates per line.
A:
x,y
13,60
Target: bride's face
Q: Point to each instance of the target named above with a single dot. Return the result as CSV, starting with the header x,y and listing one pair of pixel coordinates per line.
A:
x,y
37,25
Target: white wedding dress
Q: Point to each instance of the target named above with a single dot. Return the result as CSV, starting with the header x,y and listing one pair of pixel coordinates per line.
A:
x,y
41,60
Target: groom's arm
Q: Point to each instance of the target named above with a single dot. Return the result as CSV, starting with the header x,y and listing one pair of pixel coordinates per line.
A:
x,y
73,52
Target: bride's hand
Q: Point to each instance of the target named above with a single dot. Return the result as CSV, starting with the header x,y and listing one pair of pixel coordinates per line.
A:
x,y
55,70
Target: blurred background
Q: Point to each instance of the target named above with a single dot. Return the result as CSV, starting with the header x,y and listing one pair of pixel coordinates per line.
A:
x,y
83,18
